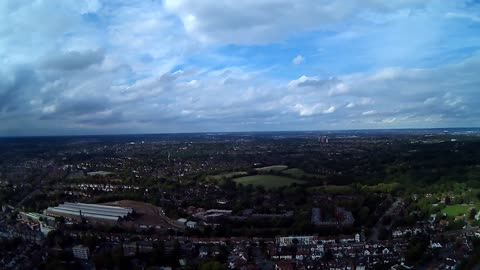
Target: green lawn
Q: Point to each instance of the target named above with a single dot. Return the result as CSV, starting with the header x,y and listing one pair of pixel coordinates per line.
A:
x,y
272,168
456,209
268,181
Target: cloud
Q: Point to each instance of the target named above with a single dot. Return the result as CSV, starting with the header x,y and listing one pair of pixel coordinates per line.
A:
x,y
466,16
350,105
338,89
123,66
430,101
74,60
305,81
298,60
256,22
389,120
371,112
331,109
309,110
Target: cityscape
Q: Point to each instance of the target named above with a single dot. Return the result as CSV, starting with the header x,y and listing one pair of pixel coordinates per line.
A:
x,y
242,135
281,200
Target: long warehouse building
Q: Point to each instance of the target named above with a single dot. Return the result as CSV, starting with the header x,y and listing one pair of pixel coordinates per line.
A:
x,y
92,212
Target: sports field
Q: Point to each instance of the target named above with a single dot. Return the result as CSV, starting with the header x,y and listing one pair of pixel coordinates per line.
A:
x,y
267,181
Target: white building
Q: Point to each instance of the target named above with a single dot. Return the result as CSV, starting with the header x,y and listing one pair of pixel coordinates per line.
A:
x,y
81,252
191,224
182,220
357,238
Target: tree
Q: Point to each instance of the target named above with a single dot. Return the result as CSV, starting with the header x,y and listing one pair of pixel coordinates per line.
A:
x,y
472,214
448,200
363,213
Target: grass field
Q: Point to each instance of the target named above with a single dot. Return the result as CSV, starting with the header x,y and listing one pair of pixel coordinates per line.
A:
x,y
272,168
298,173
267,181
294,172
225,175
456,209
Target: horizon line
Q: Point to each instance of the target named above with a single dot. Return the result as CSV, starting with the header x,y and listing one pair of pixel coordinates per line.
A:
x,y
230,132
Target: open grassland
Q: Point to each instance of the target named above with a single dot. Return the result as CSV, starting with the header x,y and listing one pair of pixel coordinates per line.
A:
x,y
267,181
219,177
272,168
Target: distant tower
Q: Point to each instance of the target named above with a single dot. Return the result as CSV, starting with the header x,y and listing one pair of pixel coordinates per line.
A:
x,y
168,156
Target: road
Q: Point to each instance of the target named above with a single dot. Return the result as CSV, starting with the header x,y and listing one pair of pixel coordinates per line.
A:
x,y
376,229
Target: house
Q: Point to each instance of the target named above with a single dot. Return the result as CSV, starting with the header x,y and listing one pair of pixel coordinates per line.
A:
x,y
191,224
357,238
317,251
182,221
145,247
129,249
203,251
81,252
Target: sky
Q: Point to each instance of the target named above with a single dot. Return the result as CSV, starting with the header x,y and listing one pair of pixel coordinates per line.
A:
x,y
71,67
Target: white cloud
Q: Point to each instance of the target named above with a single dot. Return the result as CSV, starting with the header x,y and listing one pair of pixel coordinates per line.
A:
x,y
316,82
389,120
365,101
298,60
430,101
310,110
253,21
338,89
371,112
459,15
331,109
451,100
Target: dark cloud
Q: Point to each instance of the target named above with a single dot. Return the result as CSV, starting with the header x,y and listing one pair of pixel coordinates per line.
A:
x,y
16,88
74,60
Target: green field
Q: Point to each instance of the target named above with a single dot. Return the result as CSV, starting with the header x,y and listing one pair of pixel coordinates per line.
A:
x,y
456,209
219,177
267,181
272,168
298,173
294,172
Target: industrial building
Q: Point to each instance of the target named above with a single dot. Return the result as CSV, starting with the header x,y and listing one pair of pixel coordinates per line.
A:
x,y
91,212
